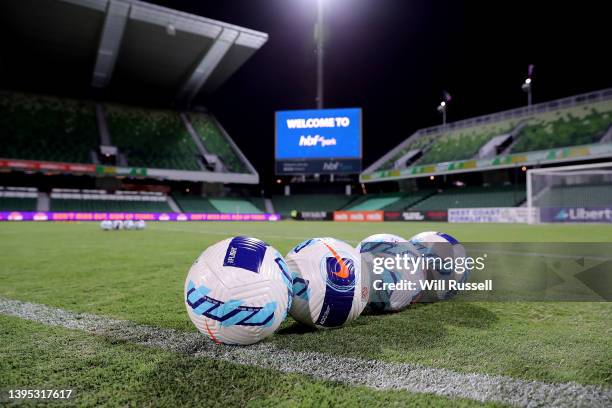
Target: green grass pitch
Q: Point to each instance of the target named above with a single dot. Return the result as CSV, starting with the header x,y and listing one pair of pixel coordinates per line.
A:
x,y
139,276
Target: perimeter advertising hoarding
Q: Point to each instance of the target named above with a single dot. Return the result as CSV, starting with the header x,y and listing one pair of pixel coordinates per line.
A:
x,y
358,216
492,214
325,141
101,216
413,215
576,214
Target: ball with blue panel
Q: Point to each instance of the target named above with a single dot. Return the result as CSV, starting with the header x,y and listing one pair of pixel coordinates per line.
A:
x,y
238,291
390,290
328,289
440,247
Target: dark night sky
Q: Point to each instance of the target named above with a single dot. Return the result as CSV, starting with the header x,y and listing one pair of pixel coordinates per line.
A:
x,y
394,58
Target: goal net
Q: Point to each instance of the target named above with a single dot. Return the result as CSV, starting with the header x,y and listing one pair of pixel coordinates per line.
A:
x,y
577,194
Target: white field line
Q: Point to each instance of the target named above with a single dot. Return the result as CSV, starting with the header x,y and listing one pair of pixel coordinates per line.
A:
x,y
353,371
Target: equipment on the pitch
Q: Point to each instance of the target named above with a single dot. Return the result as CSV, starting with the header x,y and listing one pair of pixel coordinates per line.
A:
x,y
440,250
390,290
238,291
328,288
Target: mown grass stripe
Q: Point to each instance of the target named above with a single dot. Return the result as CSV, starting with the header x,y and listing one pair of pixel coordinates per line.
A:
x,y
371,373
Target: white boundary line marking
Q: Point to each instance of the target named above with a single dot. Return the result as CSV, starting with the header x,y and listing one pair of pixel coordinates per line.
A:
x,y
353,371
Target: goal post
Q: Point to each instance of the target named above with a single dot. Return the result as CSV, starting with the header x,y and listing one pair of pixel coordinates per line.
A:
x,y
576,194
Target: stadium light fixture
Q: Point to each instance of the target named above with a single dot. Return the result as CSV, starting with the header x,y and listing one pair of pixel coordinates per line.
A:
x,y
443,106
526,87
442,109
319,36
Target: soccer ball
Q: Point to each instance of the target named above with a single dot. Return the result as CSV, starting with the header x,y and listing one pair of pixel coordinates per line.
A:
x,y
440,246
238,291
384,299
117,224
140,224
129,225
328,289
106,225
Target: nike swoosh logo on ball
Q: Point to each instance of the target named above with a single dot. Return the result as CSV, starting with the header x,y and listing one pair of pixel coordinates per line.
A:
x,y
344,271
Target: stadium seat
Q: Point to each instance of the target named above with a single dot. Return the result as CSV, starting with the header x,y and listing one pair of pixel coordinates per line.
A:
x,y
152,138
234,206
454,145
310,202
17,204
473,197
407,200
374,202
577,196
47,129
568,127
87,205
216,143
461,145
195,204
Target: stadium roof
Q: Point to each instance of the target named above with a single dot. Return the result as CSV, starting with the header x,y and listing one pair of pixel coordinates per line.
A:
x,y
120,46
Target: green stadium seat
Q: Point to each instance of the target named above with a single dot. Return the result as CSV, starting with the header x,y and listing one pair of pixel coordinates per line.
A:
x,y
47,129
234,206
577,196
408,200
374,203
152,138
190,203
108,205
216,143
473,197
568,127
284,205
17,204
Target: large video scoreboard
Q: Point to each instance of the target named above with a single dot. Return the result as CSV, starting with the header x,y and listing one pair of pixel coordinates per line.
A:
x,y
325,141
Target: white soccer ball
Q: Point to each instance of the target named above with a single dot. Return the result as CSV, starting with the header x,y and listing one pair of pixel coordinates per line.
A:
x,y
440,247
129,225
140,225
390,290
117,224
238,291
106,225
328,289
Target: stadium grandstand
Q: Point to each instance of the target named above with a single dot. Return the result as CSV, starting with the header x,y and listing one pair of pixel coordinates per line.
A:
x,y
519,137
75,123
102,152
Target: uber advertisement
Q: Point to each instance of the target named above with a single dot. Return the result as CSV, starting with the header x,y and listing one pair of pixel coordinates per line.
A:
x,y
324,141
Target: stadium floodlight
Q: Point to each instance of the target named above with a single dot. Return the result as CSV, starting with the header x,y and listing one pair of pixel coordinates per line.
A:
x,y
319,36
526,87
442,109
443,106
